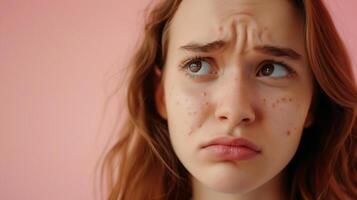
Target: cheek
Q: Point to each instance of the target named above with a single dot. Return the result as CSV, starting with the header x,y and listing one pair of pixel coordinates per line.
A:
x,y
283,119
286,114
187,109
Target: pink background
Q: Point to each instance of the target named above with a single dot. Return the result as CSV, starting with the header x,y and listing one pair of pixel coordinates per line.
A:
x,y
58,62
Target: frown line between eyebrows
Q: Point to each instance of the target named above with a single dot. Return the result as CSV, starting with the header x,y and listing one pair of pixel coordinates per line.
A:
x,y
219,44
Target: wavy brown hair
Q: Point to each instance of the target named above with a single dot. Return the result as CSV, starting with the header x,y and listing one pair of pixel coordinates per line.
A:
x,y
142,164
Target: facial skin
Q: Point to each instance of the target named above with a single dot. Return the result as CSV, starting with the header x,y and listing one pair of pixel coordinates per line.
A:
x,y
238,90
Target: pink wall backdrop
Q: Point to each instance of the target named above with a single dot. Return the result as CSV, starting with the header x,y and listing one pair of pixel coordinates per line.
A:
x,y
58,62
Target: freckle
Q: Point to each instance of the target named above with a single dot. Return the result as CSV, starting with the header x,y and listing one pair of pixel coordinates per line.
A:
x,y
288,133
194,112
283,99
206,103
264,100
290,99
273,105
204,93
278,101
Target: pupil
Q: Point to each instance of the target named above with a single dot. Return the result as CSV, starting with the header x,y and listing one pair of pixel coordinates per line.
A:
x,y
195,66
268,69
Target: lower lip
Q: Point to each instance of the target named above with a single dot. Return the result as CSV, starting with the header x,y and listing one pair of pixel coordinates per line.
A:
x,y
230,152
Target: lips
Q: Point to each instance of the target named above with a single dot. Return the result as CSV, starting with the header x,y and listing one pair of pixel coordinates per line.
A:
x,y
230,149
233,142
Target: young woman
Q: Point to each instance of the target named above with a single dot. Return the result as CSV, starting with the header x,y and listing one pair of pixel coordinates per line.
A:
x,y
237,100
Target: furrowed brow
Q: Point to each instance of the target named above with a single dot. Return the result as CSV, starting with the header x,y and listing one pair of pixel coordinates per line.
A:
x,y
265,49
278,52
205,48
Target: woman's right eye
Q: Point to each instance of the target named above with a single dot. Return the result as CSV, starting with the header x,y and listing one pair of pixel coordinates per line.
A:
x,y
198,67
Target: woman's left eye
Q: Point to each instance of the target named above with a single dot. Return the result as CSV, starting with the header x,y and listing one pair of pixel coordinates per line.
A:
x,y
274,70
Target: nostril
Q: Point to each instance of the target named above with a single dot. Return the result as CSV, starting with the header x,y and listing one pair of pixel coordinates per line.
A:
x,y
223,118
246,120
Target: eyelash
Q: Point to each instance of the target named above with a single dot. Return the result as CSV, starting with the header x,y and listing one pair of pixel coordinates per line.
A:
x,y
185,64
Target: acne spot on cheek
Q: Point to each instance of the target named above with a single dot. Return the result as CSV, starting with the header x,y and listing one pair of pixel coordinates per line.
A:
x,y
288,133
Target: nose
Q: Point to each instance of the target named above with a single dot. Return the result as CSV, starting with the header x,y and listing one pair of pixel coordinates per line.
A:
x,y
234,102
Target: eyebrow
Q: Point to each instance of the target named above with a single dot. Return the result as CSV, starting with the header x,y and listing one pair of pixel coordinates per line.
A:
x,y
265,49
208,47
278,51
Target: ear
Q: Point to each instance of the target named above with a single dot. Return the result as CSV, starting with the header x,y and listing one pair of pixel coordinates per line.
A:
x,y
309,119
160,93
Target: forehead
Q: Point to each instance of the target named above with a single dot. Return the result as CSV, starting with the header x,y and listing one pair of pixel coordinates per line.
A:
x,y
275,21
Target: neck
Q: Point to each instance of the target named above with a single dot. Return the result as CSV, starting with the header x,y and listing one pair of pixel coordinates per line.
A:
x,y
275,189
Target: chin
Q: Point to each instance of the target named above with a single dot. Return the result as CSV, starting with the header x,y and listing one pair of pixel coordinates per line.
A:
x,y
227,182
230,187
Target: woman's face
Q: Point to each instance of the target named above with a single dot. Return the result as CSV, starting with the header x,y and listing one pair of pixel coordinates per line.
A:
x,y
236,69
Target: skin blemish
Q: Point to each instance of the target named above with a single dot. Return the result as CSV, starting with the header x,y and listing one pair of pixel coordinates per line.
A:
x,y
204,94
206,103
290,100
273,105
288,133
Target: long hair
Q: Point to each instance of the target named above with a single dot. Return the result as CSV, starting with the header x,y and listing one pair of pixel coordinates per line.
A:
x,y
143,165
